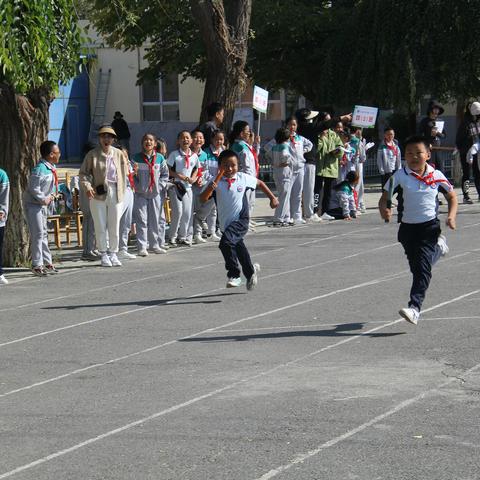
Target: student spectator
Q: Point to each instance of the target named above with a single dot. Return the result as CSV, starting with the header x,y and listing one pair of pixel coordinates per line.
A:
x,y
342,202
4,200
40,192
389,157
215,115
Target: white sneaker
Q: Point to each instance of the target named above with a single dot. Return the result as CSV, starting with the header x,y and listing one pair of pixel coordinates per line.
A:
x,y
114,260
442,243
315,218
213,237
299,221
234,282
106,262
3,280
198,239
363,209
410,315
185,242
172,242
142,253
124,255
158,250
326,216
165,246
253,280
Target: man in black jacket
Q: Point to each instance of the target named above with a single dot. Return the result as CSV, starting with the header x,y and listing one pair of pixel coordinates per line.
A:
x,y
121,129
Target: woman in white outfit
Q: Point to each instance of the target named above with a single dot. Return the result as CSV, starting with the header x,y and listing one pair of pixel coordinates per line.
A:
x,y
102,176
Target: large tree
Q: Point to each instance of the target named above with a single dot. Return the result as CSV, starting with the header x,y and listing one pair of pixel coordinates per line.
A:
x,y
39,47
205,39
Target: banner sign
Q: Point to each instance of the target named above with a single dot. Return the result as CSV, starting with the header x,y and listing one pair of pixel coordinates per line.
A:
x,y
260,99
364,116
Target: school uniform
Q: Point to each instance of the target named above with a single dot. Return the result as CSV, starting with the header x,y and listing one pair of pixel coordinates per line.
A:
x,y
299,146
234,219
419,226
152,170
42,183
181,197
342,201
389,160
4,201
361,157
246,164
280,154
205,212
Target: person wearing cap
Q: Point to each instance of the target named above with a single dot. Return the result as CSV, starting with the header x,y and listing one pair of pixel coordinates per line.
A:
x,y
102,177
468,134
121,129
428,129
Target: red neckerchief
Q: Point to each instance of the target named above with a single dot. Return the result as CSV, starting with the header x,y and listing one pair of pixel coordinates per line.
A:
x,y
428,179
151,168
292,139
52,168
230,181
393,148
187,158
344,159
131,180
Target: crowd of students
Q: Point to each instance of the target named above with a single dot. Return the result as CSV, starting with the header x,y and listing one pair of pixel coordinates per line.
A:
x,y
317,164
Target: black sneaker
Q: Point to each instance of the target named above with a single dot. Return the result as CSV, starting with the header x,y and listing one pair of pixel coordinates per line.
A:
x,y
467,200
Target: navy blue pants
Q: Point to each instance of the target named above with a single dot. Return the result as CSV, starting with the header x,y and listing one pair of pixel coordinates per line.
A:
x,y
419,240
2,232
233,248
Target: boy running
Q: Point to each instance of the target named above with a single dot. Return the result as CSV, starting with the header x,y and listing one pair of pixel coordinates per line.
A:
x,y
417,186
229,188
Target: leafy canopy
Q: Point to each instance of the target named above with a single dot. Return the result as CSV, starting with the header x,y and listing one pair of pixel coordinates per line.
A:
x,y
39,43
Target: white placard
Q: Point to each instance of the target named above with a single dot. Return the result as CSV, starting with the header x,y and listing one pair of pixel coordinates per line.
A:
x,y
260,99
364,116
439,124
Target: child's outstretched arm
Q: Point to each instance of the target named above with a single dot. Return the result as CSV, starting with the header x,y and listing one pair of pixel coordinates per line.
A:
x,y
452,201
207,193
273,199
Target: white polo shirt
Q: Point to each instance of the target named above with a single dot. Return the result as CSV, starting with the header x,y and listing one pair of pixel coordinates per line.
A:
x,y
417,199
230,200
178,160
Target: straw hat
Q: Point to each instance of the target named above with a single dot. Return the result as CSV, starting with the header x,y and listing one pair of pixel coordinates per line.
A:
x,y
107,129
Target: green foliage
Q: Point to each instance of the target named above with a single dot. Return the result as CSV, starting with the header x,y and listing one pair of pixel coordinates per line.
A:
x,y
39,43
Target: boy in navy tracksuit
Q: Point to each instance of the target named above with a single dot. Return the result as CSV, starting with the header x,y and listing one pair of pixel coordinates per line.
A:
x,y
4,196
230,188
417,185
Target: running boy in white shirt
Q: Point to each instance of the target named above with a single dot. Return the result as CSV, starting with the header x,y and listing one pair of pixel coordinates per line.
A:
x,y
229,188
417,185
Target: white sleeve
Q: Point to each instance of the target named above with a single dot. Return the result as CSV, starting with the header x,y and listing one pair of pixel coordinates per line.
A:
x,y
171,159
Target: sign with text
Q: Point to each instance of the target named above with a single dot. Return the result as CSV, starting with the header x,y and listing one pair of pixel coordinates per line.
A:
x,y
364,116
260,99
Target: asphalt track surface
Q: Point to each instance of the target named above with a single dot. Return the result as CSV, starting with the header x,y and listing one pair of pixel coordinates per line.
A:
x,y
156,371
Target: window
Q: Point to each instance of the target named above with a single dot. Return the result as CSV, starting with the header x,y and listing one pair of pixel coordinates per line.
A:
x,y
274,110
160,99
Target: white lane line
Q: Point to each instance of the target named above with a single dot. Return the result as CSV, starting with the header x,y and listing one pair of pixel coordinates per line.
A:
x,y
209,330
302,457
152,277
172,302
217,391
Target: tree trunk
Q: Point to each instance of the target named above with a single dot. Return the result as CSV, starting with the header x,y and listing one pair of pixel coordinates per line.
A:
x,y
24,123
226,41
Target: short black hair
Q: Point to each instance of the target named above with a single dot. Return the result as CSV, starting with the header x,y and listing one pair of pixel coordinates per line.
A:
x,y
282,135
214,108
227,154
352,176
387,129
46,148
417,139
